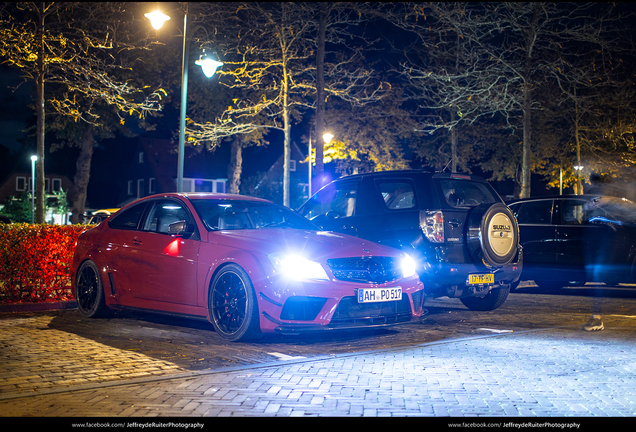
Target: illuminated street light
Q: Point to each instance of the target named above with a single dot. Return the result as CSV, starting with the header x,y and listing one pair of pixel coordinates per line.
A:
x,y
579,186
327,137
33,159
157,19
208,65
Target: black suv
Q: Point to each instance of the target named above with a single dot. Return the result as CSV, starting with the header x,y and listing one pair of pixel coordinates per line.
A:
x,y
463,236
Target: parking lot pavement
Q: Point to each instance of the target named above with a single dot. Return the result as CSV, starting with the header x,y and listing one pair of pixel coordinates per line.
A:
x,y
553,372
528,359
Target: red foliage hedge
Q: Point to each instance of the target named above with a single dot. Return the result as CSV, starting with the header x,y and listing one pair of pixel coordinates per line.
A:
x,y
35,262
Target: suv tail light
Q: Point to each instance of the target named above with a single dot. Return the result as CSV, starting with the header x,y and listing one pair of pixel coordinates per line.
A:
x,y
432,225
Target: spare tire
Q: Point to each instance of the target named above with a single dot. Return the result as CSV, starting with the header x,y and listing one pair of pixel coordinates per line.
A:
x,y
493,235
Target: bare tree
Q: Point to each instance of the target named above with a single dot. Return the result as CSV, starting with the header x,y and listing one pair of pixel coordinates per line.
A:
x,y
507,51
269,51
73,47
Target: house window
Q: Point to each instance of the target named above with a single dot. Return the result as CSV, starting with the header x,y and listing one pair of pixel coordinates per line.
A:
x,y
140,188
187,185
57,185
203,185
130,187
20,184
292,165
219,186
141,157
151,185
47,185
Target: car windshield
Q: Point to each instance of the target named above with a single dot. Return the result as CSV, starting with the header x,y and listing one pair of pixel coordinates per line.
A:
x,y
222,214
612,209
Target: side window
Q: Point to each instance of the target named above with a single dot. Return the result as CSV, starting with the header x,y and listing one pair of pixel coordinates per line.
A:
x,y
573,212
397,194
128,219
534,212
335,201
162,214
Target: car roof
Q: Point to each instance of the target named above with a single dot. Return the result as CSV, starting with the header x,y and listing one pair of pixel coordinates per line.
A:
x,y
399,173
552,197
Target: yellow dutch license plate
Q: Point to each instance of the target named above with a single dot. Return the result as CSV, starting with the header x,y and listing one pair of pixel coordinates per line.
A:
x,y
481,279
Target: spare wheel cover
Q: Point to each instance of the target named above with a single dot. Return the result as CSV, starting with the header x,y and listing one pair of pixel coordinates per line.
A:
x,y
494,234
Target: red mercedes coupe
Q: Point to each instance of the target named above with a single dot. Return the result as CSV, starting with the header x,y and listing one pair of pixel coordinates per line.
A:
x,y
245,264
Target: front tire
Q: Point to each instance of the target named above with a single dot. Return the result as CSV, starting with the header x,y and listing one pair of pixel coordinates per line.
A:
x,y
495,298
89,291
233,308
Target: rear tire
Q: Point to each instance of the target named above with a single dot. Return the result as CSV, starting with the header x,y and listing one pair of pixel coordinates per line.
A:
x,y
495,298
89,291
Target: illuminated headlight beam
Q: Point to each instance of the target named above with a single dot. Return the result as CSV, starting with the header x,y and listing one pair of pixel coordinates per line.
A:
x,y
408,267
298,268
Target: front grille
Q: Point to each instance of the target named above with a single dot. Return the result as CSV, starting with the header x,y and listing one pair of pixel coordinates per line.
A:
x,y
349,311
375,270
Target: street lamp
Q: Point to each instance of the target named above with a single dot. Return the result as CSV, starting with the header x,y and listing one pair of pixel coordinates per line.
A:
x,y
327,138
33,159
209,67
579,187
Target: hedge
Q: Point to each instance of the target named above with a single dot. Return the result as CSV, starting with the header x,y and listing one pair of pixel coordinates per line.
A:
x,y
35,262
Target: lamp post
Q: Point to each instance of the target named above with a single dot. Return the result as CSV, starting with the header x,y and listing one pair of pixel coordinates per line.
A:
x,y
579,187
33,159
209,67
327,137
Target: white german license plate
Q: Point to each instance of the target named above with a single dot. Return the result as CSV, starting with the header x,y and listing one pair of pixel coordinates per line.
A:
x,y
481,279
372,295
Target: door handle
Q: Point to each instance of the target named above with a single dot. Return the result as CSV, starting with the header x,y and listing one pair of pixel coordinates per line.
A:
x,y
136,241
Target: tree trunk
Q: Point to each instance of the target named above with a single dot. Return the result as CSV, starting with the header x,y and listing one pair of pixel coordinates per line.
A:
x,y
236,164
82,174
526,167
287,149
320,93
40,211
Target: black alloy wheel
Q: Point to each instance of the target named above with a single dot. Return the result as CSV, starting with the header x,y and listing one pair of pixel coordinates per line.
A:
x,y
89,291
232,305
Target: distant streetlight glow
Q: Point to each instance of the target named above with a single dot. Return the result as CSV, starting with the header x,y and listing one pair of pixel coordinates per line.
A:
x,y
33,159
157,18
327,137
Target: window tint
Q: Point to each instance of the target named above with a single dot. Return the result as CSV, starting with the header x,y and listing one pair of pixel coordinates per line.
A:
x,y
534,212
462,193
163,213
128,218
397,194
573,212
335,201
238,214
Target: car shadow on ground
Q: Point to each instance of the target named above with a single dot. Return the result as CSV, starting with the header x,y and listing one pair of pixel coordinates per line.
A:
x,y
587,290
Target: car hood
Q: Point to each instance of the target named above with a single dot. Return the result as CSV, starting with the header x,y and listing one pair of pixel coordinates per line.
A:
x,y
314,245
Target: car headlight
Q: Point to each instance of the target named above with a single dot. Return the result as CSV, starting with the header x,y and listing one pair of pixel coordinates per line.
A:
x,y
408,266
298,268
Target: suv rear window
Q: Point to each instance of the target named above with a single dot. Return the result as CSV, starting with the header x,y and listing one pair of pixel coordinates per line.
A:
x,y
462,193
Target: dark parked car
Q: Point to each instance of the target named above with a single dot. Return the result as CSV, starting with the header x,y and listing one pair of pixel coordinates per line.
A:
x,y
463,236
245,264
565,236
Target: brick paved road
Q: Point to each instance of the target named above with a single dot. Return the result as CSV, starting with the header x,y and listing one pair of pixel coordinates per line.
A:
x,y
545,373
553,372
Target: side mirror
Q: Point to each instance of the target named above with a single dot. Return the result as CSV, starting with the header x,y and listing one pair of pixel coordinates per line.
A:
x,y
180,229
